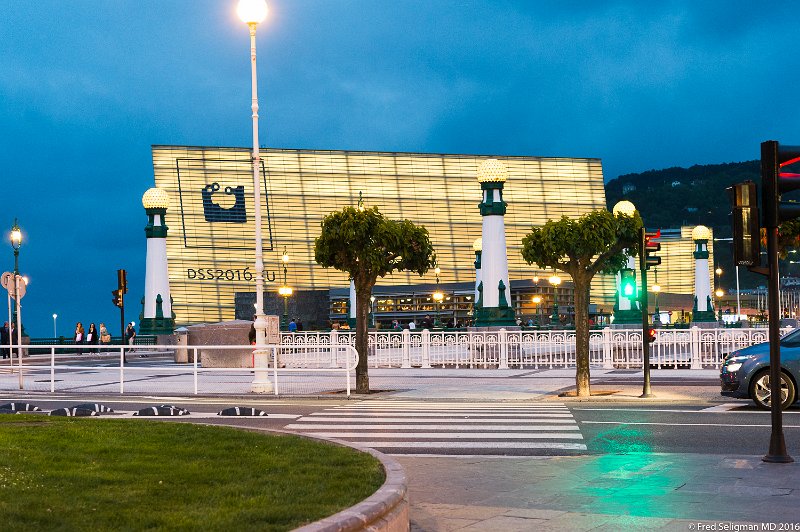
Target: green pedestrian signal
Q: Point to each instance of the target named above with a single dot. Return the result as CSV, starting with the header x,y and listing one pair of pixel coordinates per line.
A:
x,y
628,283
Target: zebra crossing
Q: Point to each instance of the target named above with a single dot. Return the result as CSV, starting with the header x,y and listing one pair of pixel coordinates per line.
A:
x,y
412,427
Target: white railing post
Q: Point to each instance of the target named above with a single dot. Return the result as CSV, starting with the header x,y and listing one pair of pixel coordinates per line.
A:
x,y
503,339
406,349
194,361
695,348
608,363
426,347
121,370
334,339
52,369
275,367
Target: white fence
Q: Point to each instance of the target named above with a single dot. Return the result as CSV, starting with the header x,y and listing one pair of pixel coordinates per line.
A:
x,y
150,369
608,348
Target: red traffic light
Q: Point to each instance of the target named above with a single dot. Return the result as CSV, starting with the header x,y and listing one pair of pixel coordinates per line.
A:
x,y
651,335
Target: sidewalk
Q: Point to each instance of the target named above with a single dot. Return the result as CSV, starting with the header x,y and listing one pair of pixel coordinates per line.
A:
x,y
607,492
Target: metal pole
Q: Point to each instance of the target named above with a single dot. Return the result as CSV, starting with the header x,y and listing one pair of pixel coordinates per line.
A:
x,y
10,336
19,329
738,299
645,311
777,444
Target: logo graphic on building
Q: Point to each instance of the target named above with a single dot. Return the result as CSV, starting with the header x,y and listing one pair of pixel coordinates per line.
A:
x,y
213,212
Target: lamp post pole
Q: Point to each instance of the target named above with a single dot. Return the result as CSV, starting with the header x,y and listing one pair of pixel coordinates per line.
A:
x,y
252,12
55,333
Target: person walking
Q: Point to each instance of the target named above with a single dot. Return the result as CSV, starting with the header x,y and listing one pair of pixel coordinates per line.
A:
x,y
79,337
92,337
105,338
5,337
130,333
292,326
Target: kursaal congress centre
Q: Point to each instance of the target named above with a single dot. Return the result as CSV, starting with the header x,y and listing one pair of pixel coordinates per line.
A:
x,y
210,243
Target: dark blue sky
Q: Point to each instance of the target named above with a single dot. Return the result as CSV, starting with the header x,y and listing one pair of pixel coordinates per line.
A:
x,y
87,86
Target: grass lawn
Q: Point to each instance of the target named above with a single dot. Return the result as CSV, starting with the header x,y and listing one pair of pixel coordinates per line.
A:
x,y
104,474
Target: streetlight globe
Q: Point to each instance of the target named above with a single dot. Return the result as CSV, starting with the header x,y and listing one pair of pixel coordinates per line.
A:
x,y
285,258
719,292
701,232
438,296
492,170
252,11
718,271
477,245
555,280
55,316
155,198
656,288
437,270
536,299
624,207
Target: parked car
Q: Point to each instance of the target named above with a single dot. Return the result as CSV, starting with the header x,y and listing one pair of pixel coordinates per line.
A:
x,y
745,372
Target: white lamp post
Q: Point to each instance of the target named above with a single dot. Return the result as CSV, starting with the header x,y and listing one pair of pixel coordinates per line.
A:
x,y
253,12
55,334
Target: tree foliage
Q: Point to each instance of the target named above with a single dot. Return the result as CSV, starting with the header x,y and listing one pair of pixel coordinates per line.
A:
x,y
367,245
581,248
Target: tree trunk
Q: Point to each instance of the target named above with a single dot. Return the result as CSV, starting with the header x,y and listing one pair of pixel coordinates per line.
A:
x,y
582,286
363,292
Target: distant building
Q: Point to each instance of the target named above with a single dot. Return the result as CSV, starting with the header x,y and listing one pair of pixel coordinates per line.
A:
x,y
628,187
676,184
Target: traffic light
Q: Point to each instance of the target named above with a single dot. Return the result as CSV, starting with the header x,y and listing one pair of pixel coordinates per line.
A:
x,y
117,299
651,335
746,226
775,182
627,283
650,245
122,281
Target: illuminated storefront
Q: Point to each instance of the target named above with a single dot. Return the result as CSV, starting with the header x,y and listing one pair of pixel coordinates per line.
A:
x,y
210,218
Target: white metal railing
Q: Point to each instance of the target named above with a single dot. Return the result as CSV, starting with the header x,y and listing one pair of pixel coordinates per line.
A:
x,y
115,368
608,348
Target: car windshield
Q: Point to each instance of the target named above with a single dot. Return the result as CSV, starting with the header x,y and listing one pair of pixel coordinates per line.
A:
x,y
792,339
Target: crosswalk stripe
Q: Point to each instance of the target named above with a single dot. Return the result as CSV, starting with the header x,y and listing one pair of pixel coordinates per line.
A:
x,y
456,406
476,419
439,414
455,435
450,426
452,410
472,445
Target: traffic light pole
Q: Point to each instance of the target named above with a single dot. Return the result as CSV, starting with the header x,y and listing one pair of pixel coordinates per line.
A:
x,y
777,443
646,393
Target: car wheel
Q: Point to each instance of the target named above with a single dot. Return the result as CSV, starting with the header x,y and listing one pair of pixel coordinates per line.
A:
x,y
760,390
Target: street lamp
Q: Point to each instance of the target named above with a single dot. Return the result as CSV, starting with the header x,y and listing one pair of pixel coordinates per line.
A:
x,y
719,293
536,300
286,291
16,242
55,334
438,296
555,280
253,12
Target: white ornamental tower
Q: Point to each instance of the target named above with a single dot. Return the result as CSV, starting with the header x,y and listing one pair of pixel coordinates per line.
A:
x,y
492,308
156,316
703,311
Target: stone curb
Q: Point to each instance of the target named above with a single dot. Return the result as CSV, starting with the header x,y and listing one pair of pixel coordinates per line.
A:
x,y
385,510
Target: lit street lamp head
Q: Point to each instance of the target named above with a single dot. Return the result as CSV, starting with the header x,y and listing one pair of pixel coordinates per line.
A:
x,y
624,207
252,11
16,235
555,280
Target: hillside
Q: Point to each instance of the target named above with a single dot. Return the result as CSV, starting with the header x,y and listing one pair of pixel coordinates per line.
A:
x,y
674,197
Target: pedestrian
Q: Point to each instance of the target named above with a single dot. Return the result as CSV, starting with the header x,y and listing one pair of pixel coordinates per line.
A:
x,y
78,337
251,335
299,326
130,333
412,325
92,337
5,337
105,338
292,326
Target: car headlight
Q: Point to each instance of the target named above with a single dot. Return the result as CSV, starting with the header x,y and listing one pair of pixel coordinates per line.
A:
x,y
734,364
